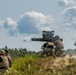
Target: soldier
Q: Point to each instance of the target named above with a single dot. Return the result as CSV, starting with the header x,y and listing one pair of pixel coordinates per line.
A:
x,y
43,47
59,50
9,58
48,48
4,64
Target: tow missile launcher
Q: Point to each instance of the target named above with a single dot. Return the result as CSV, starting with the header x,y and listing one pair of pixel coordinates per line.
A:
x,y
46,36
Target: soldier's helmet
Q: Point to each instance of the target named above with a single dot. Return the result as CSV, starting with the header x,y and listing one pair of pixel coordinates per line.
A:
x,y
50,43
6,51
2,52
56,37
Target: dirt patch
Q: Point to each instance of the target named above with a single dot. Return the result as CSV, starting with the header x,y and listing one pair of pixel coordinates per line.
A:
x,y
61,61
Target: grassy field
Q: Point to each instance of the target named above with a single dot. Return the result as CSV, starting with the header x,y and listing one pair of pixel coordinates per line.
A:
x,y
38,65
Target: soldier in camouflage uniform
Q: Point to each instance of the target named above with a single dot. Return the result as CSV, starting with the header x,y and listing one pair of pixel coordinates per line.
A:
x,y
59,50
9,58
4,64
48,48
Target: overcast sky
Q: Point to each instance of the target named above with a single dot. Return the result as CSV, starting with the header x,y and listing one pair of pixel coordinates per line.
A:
x,y
22,19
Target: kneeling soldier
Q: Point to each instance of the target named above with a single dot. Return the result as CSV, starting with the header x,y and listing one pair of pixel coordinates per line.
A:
x,y
59,51
49,49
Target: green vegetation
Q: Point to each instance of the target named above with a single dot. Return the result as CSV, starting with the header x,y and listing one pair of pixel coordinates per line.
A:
x,y
32,63
35,65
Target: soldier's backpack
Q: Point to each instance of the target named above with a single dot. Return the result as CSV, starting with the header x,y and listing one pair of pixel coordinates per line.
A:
x,y
4,63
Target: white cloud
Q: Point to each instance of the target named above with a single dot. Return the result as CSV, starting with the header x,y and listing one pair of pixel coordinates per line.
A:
x,y
29,23
70,17
66,2
11,26
34,22
10,23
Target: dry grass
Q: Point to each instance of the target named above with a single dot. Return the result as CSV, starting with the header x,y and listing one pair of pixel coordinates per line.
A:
x,y
31,65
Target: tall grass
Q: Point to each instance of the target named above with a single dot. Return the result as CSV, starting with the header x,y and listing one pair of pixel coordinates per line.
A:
x,y
34,65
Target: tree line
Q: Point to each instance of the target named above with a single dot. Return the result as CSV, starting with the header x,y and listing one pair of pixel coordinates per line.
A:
x,y
18,52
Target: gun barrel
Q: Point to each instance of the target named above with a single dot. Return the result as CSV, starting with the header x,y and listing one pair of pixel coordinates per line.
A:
x,y
37,39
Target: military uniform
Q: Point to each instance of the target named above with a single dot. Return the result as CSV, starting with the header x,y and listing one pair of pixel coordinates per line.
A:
x,y
4,64
49,49
59,50
9,58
